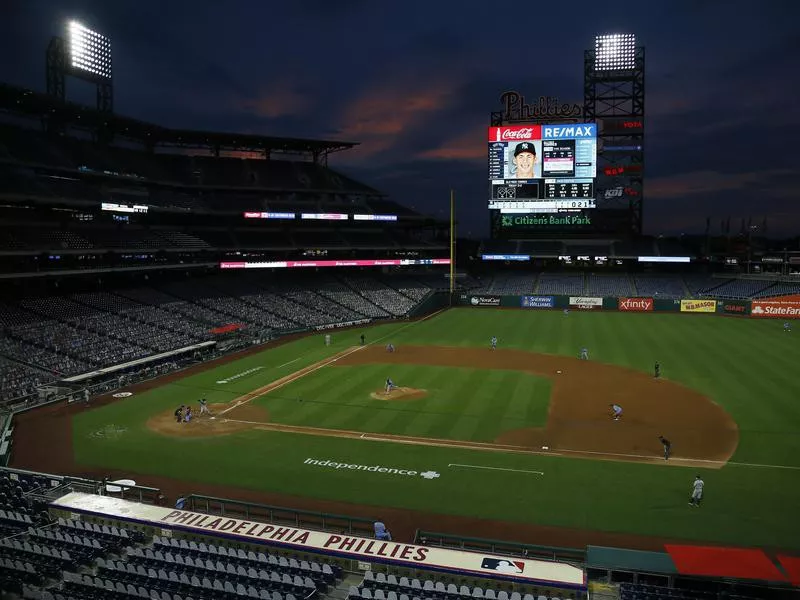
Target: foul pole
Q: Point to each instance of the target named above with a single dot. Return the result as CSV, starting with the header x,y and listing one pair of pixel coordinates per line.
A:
x,y
452,244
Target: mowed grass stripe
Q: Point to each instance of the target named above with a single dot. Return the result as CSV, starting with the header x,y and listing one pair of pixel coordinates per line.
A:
x,y
461,403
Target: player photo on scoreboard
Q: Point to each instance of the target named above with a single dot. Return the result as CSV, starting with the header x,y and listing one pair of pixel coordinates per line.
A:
x,y
523,160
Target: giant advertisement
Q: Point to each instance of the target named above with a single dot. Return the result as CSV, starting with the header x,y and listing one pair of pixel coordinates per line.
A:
x,y
635,304
698,306
544,170
733,307
538,302
780,307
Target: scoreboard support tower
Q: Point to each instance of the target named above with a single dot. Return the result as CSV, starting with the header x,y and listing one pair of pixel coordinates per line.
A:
x,y
613,93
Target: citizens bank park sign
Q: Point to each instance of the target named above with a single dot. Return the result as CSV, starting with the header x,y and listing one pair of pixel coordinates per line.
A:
x,y
340,545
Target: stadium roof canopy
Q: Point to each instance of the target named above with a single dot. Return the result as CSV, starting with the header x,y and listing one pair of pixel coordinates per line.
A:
x,y
27,102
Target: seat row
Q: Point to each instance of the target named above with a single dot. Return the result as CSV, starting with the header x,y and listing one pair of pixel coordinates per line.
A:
x,y
313,569
209,568
109,588
222,583
381,582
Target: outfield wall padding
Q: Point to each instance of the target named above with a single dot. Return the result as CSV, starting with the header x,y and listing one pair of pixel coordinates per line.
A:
x,y
741,308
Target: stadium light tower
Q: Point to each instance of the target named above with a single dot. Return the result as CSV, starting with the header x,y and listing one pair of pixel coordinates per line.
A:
x,y
613,97
615,52
85,54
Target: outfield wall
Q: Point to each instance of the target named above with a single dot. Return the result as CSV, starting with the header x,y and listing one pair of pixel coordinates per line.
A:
x,y
781,307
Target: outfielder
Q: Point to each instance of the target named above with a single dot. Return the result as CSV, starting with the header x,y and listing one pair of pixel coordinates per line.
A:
x,y
327,339
616,411
389,385
787,326
697,492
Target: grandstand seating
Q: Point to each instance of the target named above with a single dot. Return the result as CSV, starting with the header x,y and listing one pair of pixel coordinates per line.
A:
x,y
660,286
509,283
68,335
561,283
608,285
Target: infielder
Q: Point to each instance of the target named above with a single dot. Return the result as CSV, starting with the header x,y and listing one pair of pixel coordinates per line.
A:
x,y
657,370
204,407
390,347
584,354
667,446
697,492
616,411
389,385
494,342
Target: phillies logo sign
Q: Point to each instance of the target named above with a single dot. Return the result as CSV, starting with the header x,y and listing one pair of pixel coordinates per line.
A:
x,y
635,304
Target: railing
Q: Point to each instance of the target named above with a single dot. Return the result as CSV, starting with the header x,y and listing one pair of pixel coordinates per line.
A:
x,y
469,544
56,486
278,514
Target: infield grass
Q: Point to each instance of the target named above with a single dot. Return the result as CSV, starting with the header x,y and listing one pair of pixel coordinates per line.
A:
x,y
747,366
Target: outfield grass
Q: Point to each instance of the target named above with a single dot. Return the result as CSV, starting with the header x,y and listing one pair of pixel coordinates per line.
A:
x,y
747,366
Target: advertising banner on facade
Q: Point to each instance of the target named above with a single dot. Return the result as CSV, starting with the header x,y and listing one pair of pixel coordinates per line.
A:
x,y
635,304
733,307
485,300
537,301
584,303
780,307
698,306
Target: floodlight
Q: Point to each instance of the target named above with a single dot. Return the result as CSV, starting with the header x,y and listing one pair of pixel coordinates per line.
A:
x,y
615,52
89,51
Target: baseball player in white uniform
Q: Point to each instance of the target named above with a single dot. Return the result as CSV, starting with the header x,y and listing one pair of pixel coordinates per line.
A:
x,y
204,407
697,492
616,411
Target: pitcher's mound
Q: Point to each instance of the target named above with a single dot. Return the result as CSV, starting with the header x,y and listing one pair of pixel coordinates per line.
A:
x,y
401,394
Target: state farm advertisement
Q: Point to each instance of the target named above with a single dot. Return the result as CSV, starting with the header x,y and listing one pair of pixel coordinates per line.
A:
x,y
584,303
781,307
635,304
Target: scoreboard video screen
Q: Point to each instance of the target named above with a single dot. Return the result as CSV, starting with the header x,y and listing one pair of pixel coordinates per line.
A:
x,y
542,169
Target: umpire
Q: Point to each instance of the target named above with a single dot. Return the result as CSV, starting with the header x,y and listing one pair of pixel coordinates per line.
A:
x,y
667,446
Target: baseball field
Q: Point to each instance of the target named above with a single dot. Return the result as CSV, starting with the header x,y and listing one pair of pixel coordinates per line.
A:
x,y
513,443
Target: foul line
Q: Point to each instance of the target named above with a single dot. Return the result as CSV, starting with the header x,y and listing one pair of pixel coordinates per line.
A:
x,y
495,468
489,447
312,368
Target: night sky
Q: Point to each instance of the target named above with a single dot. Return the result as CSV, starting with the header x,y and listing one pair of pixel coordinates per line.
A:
x,y
415,81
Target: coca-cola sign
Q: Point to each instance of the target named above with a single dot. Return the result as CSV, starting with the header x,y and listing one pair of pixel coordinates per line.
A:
x,y
635,304
515,133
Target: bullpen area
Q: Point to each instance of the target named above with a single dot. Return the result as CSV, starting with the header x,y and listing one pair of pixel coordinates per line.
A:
x,y
516,442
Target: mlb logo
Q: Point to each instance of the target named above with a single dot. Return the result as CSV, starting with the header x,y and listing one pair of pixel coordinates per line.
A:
x,y
503,566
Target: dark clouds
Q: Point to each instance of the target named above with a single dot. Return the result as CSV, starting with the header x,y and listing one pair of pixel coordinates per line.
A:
x,y
414,82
